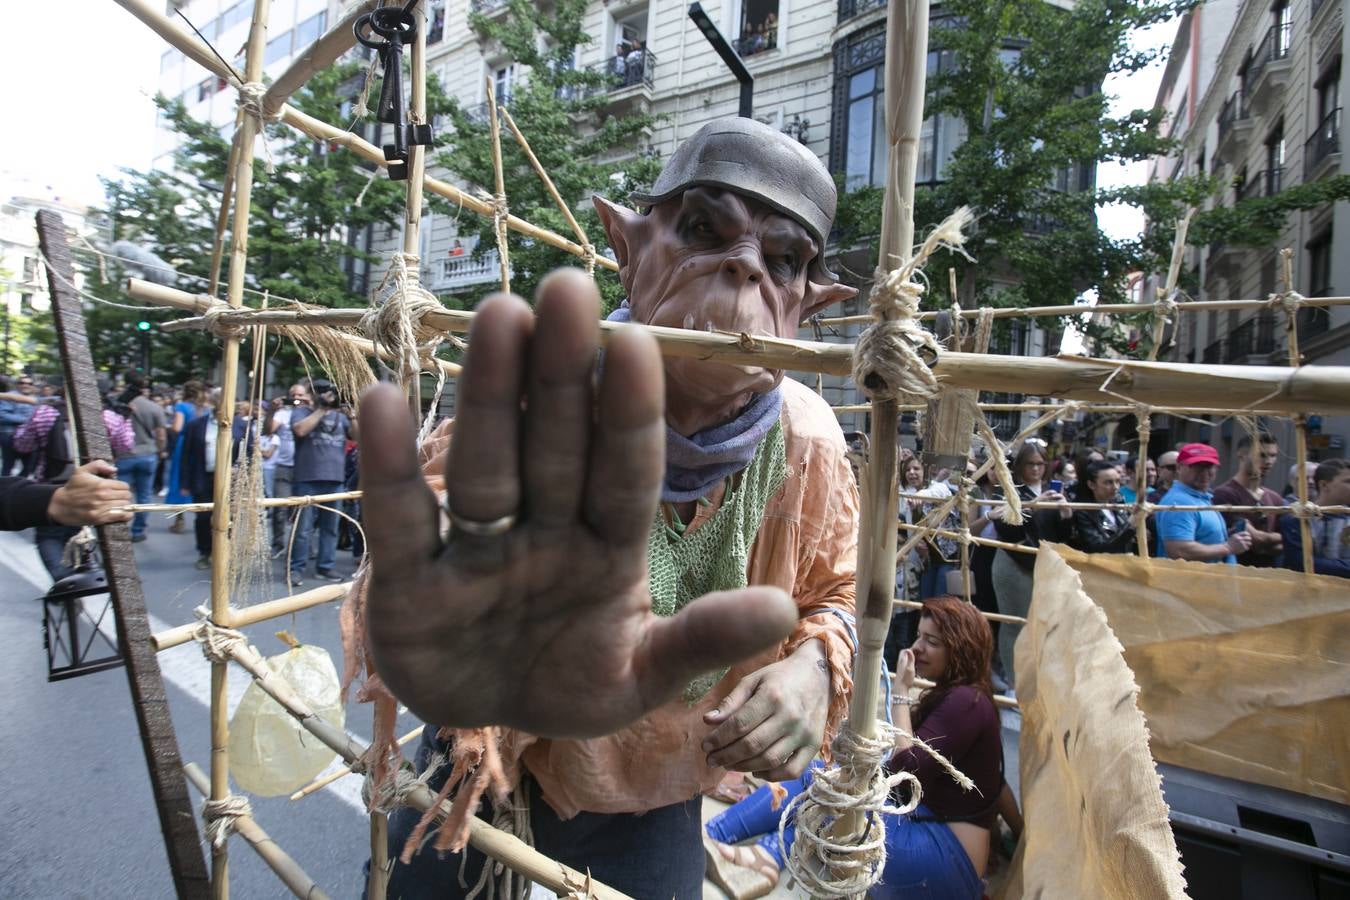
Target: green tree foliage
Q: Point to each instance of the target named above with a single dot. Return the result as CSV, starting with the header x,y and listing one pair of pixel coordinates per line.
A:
x,y
566,115
301,214
1026,81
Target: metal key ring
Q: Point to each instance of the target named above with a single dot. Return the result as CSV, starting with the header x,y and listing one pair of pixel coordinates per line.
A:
x,y
386,22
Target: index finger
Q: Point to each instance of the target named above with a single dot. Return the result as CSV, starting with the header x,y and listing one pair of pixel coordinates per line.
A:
x,y
401,519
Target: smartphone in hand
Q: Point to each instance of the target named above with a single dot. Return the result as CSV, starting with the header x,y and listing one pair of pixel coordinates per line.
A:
x,y
1056,485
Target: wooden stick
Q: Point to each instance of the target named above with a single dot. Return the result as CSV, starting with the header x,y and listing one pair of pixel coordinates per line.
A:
x,y
199,53
544,177
278,860
378,880
1144,421
417,171
160,295
220,516
1169,288
499,179
1159,384
993,617
321,783
259,502
251,615
503,847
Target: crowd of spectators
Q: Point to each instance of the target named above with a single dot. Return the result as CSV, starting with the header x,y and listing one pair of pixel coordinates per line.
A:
x,y
1177,481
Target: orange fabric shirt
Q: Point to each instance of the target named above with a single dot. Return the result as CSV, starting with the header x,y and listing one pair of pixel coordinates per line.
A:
x,y
807,546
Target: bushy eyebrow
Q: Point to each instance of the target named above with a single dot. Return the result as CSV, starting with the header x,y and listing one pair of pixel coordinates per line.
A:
x,y
791,234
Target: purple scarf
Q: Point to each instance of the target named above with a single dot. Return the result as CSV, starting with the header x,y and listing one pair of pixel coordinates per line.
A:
x,y
696,464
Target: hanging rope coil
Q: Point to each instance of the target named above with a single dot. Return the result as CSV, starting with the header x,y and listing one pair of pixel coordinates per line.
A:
x,y
892,358
830,865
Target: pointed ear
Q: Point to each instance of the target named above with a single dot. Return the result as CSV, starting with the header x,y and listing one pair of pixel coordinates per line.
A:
x,y
820,296
623,228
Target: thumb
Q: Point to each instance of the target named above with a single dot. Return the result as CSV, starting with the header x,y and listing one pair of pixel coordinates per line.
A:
x,y
715,631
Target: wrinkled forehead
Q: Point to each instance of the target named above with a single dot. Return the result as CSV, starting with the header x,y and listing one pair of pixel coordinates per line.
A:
x,y
728,209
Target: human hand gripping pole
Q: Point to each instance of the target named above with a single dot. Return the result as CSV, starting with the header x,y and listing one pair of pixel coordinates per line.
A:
x,y
539,618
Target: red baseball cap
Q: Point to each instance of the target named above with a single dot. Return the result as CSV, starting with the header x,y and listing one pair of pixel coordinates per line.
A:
x,y
1191,454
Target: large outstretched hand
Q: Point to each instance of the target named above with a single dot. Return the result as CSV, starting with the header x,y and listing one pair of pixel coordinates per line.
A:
x,y
548,627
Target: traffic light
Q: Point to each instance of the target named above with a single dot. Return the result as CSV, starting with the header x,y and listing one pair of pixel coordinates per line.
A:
x,y
142,325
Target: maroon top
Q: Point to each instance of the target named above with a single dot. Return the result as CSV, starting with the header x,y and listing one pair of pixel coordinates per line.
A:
x,y
1234,493
963,727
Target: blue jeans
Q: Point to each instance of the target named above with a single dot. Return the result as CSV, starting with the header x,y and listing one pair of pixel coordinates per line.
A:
x,y
933,580
139,472
324,521
654,855
923,858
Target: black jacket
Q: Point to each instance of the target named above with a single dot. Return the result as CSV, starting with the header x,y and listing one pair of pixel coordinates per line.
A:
x,y
23,503
1036,526
1103,530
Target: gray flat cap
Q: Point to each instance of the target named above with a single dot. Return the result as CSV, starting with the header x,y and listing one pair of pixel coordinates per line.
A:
x,y
752,159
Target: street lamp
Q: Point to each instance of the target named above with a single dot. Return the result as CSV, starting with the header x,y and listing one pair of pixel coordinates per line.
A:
x,y
729,56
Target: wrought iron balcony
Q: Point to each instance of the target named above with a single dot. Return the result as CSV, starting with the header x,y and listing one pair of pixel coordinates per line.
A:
x,y
1254,337
1213,353
637,67
1233,113
850,8
1265,183
1274,46
1325,142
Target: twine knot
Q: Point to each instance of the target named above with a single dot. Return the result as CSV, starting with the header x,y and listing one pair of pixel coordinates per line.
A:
x,y
1165,307
213,322
393,793
1304,509
1289,301
251,95
892,358
218,642
221,815
588,257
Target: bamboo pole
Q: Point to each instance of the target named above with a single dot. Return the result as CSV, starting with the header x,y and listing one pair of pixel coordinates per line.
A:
x,y
319,56
412,212
1159,384
503,847
1145,428
220,516
1108,309
280,862
1300,421
199,53
319,784
544,177
161,295
906,51
223,217
922,530
499,180
251,615
993,617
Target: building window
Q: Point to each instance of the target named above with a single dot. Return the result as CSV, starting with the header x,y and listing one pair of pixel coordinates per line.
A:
x,y
205,89
277,48
1319,265
758,27
1284,26
503,78
1274,159
858,146
436,22
310,30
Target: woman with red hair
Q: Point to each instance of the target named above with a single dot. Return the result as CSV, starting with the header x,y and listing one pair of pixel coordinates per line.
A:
x,y
940,850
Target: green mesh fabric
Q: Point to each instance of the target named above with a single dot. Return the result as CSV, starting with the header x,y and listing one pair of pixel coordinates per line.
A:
x,y
715,557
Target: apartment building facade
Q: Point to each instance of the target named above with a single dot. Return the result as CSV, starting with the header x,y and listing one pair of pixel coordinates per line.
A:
x,y
1253,91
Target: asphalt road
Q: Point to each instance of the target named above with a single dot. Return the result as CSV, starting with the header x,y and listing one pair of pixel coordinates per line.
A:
x,y
77,816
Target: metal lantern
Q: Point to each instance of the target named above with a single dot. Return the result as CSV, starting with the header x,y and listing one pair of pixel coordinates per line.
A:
x,y
79,627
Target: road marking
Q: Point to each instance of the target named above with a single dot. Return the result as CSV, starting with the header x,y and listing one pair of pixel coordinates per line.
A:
x,y
181,666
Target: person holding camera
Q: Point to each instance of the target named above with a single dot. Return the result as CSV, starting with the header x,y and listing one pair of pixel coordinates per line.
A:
x,y
321,434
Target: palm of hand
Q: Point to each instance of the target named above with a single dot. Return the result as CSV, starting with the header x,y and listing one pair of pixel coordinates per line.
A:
x,y
547,627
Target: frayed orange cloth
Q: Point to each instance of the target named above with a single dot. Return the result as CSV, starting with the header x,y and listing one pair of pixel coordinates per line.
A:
x,y
807,546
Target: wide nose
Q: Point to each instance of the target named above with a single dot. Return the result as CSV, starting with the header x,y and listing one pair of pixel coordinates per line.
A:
x,y
744,265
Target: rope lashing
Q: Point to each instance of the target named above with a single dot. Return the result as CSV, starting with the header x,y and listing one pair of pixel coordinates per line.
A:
x,y
829,865
1304,509
588,256
218,642
251,102
220,816
212,322
397,322
1289,301
394,792
892,357
1165,307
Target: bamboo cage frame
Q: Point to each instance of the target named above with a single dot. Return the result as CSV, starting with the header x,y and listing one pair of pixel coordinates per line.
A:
x,y
1156,387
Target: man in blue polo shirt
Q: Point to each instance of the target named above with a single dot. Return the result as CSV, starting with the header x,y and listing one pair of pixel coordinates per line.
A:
x,y
1198,535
